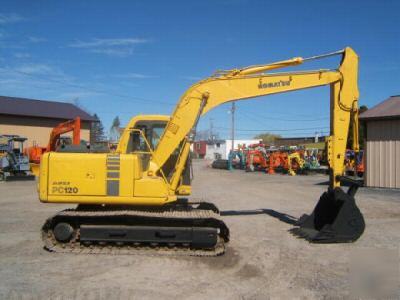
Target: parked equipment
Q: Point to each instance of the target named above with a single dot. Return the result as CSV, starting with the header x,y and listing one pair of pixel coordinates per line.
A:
x,y
136,196
236,160
55,141
220,164
295,163
354,163
256,158
14,165
312,159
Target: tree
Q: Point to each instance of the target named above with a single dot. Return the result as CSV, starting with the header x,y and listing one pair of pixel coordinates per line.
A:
x,y
116,122
267,137
97,131
114,130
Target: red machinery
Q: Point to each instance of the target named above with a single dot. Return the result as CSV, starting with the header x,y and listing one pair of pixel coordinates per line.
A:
x,y
35,152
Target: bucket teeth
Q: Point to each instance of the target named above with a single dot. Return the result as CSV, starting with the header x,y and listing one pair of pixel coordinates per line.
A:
x,y
307,234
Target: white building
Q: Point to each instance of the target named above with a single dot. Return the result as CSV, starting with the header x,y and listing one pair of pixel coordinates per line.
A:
x,y
221,148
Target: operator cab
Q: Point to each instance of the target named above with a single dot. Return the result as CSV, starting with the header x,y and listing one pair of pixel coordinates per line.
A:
x,y
151,130
143,142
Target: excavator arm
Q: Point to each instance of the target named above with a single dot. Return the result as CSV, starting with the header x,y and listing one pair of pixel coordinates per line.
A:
x,y
336,217
68,126
238,84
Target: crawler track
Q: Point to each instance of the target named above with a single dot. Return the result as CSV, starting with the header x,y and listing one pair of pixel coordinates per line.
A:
x,y
187,217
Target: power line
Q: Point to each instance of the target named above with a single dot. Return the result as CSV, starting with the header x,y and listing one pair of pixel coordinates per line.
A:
x,y
296,135
233,125
131,98
275,130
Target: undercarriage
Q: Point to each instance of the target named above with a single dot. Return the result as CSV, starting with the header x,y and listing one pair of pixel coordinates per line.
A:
x,y
193,229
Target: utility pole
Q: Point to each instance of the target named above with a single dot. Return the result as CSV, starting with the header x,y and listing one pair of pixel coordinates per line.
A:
x,y
233,125
316,137
211,137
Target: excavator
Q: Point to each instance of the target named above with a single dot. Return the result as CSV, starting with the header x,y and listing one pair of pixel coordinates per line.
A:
x,y
256,158
136,198
35,152
294,159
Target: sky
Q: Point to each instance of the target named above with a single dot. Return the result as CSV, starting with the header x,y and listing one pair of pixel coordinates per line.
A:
x,y
123,58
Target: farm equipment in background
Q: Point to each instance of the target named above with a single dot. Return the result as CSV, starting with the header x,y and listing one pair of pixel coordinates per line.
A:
x,y
14,164
354,163
256,158
295,163
312,159
55,142
236,160
276,162
360,163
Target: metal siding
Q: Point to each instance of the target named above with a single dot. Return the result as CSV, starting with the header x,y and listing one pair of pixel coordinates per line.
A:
x,y
383,154
397,162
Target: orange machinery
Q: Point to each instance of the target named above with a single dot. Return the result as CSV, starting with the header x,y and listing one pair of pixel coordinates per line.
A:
x,y
256,158
35,152
360,164
285,161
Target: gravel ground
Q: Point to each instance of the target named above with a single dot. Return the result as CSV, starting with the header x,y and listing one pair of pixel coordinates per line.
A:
x,y
263,260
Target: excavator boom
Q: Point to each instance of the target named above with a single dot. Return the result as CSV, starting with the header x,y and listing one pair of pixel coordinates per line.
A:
x,y
252,82
68,126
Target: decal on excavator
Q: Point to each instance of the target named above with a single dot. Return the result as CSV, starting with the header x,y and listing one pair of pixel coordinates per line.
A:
x,y
279,83
62,187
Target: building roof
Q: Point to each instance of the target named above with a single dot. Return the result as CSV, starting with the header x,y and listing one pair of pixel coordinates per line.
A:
x,y
42,109
388,109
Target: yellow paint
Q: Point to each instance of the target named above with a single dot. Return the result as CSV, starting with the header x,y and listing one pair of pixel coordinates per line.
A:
x,y
294,156
77,174
123,142
128,165
35,169
151,187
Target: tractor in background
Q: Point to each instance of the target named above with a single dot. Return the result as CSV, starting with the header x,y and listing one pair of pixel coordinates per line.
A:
x,y
14,164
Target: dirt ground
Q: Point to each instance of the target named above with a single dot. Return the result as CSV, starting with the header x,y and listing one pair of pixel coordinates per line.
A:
x,y
263,260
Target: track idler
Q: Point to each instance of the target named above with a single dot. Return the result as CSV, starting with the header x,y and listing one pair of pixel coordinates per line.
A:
x,y
335,219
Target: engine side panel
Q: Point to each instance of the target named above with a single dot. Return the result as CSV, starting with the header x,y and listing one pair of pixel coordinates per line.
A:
x,y
74,174
99,178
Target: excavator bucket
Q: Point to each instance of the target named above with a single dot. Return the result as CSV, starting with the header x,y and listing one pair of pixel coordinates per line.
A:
x,y
335,219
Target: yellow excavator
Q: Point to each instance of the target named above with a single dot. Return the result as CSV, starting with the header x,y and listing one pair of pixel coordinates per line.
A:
x,y
135,199
294,157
